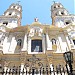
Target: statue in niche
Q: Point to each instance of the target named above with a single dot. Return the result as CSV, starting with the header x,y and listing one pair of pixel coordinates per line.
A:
x,y
53,42
19,42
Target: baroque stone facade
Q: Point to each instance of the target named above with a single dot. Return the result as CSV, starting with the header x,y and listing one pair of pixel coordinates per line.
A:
x,y
36,43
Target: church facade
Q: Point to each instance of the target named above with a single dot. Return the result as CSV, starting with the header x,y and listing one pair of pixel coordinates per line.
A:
x,y
36,44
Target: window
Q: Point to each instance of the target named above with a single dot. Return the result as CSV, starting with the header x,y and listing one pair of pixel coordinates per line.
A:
x,y
10,13
56,14
36,46
58,5
62,13
67,22
13,6
70,39
54,6
53,41
0,41
19,42
74,42
6,23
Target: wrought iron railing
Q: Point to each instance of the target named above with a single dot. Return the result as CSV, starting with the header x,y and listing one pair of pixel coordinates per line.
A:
x,y
25,71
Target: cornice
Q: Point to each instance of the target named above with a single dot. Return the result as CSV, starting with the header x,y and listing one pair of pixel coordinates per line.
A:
x,y
8,17
20,29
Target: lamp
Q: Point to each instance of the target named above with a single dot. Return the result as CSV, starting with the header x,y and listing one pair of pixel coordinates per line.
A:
x,y
68,57
69,60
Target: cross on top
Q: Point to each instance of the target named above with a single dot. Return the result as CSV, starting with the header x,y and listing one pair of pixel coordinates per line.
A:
x,y
36,19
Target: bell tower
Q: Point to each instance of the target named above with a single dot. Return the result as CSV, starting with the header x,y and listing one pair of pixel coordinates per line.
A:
x,y
60,16
12,16
57,9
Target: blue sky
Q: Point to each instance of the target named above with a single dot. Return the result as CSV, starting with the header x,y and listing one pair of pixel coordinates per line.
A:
x,y
37,8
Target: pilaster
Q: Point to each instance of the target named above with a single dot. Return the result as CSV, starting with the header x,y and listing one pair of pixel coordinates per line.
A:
x,y
25,43
49,44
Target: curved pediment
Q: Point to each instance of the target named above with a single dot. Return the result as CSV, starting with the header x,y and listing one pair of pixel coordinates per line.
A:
x,y
36,24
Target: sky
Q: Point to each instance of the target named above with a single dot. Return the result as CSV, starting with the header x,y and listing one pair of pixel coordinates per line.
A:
x,y
37,8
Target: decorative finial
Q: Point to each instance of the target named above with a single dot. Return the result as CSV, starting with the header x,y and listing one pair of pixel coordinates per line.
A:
x,y
36,19
18,2
54,2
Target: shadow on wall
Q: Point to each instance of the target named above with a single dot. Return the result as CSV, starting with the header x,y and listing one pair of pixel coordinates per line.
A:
x,y
17,49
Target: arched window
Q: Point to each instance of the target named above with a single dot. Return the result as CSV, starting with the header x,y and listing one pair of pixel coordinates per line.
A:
x,y
10,13
74,42
53,41
67,22
62,13
54,6
19,42
14,6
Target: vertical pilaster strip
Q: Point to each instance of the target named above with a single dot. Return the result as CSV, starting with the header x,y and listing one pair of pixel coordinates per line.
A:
x,y
25,43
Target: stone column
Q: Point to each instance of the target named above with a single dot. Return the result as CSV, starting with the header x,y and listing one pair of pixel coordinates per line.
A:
x,y
25,43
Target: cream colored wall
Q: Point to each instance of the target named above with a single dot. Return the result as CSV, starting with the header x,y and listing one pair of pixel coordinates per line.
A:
x,y
9,44
6,44
63,44
13,45
12,25
49,43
